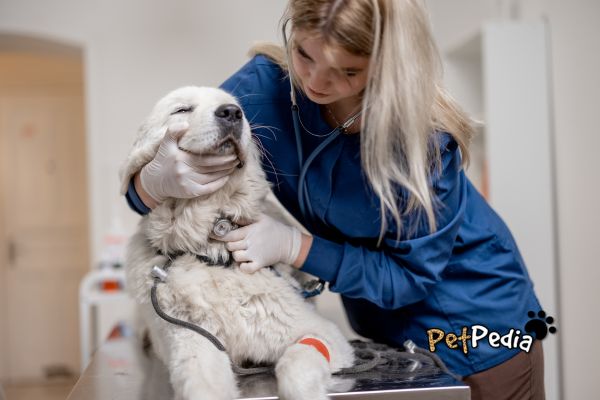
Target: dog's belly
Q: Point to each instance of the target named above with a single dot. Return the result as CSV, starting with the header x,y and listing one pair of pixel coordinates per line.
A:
x,y
256,316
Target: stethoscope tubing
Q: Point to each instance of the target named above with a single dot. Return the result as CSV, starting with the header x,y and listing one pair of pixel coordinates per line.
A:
x,y
303,194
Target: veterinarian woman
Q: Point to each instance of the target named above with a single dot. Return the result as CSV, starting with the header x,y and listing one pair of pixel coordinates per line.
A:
x,y
368,154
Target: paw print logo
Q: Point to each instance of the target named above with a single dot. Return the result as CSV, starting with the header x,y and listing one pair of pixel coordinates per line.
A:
x,y
539,325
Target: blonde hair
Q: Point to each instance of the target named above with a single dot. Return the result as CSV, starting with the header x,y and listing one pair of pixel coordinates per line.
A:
x,y
404,102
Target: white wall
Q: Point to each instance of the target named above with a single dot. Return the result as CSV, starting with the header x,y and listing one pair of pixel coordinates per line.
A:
x,y
135,51
576,61
575,83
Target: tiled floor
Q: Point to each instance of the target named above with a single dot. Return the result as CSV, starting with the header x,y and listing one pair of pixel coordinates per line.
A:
x,y
49,391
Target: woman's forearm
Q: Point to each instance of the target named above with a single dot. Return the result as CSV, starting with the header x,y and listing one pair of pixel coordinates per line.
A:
x,y
304,249
142,194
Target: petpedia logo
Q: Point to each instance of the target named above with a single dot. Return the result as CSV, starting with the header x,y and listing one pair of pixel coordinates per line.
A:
x,y
514,338
539,326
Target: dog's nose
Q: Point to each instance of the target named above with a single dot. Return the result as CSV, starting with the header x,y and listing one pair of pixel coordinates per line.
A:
x,y
229,114
229,117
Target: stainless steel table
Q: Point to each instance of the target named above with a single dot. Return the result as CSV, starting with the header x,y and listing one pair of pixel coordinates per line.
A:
x,y
121,371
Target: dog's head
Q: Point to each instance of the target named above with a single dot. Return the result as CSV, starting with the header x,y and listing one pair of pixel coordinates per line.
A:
x,y
216,126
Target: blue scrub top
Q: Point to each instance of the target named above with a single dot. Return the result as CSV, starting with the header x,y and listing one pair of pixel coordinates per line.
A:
x,y
469,272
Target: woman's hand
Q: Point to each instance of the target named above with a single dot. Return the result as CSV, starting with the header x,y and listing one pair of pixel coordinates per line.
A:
x,y
178,174
266,242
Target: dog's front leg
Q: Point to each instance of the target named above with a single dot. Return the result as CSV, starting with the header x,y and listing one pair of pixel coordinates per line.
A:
x,y
198,370
303,373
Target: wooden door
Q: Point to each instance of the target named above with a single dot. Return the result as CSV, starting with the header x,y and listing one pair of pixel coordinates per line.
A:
x,y
44,230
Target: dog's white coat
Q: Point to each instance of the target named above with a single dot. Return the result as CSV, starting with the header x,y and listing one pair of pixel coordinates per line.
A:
x,y
258,317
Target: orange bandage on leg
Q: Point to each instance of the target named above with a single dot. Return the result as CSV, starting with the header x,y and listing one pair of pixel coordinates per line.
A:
x,y
317,344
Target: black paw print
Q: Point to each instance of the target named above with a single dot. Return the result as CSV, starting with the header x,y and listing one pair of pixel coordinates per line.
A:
x,y
539,326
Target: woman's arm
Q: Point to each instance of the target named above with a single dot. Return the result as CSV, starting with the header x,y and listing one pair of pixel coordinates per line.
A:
x,y
304,249
401,272
143,195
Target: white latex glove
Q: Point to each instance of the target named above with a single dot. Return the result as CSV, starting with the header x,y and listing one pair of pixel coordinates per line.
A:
x,y
263,243
178,174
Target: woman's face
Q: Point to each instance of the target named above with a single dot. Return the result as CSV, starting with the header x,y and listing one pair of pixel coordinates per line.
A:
x,y
326,80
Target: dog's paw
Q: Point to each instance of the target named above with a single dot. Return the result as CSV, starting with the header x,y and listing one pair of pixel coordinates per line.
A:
x,y
202,372
302,374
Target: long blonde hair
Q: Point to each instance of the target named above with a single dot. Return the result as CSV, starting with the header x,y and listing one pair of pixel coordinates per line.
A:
x,y
404,102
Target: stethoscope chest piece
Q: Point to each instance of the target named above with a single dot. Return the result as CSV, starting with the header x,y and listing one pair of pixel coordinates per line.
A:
x,y
223,226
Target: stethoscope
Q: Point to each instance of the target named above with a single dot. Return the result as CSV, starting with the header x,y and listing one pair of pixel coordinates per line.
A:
x,y
303,195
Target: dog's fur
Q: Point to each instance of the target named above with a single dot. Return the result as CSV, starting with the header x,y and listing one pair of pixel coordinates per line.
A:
x,y
258,317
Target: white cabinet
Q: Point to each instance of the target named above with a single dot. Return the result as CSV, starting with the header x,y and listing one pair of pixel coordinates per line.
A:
x,y
501,76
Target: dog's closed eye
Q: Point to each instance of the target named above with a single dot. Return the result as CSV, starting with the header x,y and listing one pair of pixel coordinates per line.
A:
x,y
183,109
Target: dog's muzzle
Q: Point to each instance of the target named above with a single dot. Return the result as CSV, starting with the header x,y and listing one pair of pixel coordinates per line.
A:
x,y
230,118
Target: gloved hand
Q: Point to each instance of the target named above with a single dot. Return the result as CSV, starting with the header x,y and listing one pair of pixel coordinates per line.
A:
x,y
263,243
181,175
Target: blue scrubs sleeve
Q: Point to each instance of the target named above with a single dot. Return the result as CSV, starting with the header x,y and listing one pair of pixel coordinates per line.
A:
x,y
402,271
134,201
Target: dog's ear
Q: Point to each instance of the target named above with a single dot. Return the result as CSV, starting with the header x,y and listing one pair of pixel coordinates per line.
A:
x,y
146,144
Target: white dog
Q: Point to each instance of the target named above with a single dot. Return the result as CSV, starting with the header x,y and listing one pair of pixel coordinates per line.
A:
x,y
260,317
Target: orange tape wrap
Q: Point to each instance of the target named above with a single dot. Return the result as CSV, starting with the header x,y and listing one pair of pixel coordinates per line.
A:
x,y
317,344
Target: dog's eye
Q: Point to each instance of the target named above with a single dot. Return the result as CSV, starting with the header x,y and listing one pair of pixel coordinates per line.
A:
x,y
183,109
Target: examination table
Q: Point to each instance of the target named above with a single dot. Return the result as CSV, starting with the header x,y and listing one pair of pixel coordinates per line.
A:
x,y
120,370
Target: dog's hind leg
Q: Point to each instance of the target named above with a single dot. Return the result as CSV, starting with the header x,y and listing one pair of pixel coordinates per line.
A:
x,y
303,373
198,370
